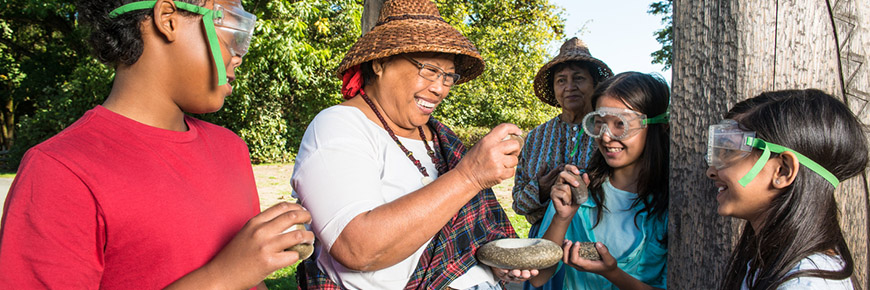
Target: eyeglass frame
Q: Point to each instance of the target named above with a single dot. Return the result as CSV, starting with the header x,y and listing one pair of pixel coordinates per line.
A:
x,y
440,72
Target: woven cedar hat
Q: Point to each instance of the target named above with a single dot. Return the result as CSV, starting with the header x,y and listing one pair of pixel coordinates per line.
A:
x,y
572,50
409,26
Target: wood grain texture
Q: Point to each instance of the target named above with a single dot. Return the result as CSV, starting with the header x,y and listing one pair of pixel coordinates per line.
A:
x,y
371,11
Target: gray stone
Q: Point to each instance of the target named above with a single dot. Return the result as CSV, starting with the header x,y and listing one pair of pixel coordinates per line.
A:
x,y
520,253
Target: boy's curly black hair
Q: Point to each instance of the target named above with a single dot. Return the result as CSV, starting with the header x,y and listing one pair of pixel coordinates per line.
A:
x,y
115,40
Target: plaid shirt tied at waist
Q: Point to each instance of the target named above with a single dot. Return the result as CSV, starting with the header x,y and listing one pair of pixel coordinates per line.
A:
x,y
451,252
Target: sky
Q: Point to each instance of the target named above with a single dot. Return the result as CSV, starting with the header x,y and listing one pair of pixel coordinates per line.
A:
x,y
620,33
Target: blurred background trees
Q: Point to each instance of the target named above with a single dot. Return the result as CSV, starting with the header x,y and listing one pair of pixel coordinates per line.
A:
x,y
48,79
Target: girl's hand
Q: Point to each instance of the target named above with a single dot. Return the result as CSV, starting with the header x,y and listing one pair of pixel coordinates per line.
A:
x,y
562,192
257,250
515,275
571,257
563,201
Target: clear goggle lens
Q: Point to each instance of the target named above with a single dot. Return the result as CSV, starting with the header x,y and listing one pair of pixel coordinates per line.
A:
x,y
726,143
236,28
618,123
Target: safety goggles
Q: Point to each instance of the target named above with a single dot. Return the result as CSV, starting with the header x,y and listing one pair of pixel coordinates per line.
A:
x,y
235,24
727,143
619,124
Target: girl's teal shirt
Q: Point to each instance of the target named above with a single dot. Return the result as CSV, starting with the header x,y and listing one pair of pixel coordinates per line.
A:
x,y
647,260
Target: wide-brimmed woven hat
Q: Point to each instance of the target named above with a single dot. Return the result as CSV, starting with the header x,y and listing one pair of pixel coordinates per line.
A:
x,y
409,26
572,50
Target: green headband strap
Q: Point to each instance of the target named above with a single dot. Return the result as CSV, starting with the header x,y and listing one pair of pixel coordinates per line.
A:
x,y
208,16
662,118
771,147
577,144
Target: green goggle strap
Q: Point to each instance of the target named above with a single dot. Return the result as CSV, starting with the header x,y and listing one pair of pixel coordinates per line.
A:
x,y
208,16
771,147
662,118
577,144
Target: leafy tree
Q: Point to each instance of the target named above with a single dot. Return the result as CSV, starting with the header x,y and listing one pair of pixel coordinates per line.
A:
x,y
513,38
288,75
665,36
47,79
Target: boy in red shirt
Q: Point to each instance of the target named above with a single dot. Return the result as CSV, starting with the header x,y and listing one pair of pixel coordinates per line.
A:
x,y
136,194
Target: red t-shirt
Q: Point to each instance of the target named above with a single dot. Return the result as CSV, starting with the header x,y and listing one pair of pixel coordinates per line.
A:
x,y
116,204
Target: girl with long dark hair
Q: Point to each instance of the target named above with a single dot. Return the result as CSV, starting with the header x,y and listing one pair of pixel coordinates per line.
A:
x,y
628,183
776,160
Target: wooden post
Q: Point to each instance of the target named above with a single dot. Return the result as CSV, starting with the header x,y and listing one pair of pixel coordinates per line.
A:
x,y
371,11
726,51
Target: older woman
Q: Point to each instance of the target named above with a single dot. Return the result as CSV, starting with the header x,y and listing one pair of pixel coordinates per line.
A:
x,y
566,82
392,204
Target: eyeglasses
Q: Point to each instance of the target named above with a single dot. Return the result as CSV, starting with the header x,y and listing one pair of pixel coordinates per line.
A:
x,y
232,21
728,143
619,124
432,73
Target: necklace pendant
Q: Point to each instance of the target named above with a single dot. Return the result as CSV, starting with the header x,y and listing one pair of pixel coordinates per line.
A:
x,y
426,180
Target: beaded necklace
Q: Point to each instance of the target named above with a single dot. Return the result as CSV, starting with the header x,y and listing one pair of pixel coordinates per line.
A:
x,y
426,179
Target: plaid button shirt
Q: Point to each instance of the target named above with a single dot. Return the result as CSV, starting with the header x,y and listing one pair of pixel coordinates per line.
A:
x,y
451,252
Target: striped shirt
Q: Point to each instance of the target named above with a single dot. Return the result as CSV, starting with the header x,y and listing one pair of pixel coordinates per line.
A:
x,y
547,146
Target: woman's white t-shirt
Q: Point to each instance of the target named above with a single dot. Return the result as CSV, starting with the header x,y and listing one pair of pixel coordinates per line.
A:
x,y
348,165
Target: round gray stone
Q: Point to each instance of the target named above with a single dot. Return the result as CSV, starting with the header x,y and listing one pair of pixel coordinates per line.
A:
x,y
520,253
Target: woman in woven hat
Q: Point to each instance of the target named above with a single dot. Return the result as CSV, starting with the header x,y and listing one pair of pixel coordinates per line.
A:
x,y
566,82
392,205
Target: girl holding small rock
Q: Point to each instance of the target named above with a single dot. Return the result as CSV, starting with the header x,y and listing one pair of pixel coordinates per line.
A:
x,y
628,186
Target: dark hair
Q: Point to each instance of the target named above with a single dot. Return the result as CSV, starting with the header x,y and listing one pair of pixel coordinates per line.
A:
x,y
590,67
116,40
803,219
648,94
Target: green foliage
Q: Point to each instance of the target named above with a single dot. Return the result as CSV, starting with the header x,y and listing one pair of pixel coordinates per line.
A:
x,y
288,76
45,71
665,36
283,278
512,37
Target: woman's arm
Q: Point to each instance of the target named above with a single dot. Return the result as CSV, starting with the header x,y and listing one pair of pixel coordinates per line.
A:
x,y
390,233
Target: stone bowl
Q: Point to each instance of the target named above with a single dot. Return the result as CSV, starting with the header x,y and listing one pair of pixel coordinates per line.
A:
x,y
520,253
304,250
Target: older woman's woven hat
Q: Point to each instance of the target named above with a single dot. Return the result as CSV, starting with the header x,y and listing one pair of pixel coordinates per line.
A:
x,y
572,50
409,26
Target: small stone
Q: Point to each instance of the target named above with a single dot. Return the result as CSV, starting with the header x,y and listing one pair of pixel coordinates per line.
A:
x,y
520,253
580,194
304,250
588,251
515,137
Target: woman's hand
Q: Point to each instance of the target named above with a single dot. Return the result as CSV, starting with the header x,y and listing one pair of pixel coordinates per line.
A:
x,y
571,257
546,181
493,159
515,275
256,251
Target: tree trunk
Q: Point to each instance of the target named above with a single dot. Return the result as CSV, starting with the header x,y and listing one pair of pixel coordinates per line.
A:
x,y
371,11
726,51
